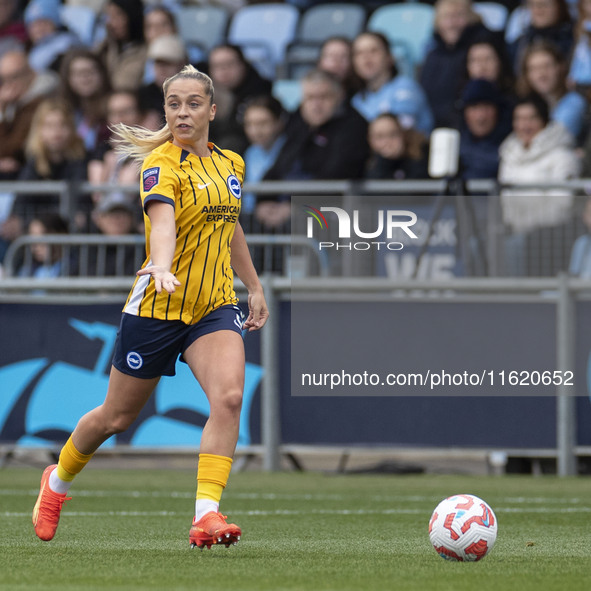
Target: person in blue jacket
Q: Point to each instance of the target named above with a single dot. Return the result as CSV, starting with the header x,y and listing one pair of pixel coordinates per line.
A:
x,y
384,90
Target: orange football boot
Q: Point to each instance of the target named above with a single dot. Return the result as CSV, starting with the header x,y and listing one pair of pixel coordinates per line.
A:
x,y
47,509
211,529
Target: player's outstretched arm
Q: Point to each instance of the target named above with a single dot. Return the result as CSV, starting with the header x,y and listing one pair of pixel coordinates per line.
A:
x,y
243,267
162,247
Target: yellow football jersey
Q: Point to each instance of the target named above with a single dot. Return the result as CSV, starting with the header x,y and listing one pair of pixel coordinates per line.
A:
x,y
206,196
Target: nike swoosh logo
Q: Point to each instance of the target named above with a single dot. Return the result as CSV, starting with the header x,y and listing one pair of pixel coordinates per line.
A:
x,y
200,186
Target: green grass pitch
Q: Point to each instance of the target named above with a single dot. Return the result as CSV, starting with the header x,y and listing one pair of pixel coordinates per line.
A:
x,y
128,529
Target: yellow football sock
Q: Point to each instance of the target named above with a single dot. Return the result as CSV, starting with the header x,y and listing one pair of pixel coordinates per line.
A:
x,y
212,476
71,461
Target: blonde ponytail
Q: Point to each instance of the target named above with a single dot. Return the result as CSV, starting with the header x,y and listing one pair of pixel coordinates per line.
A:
x,y
137,142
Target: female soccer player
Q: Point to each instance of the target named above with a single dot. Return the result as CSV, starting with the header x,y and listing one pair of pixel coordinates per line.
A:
x,y
182,302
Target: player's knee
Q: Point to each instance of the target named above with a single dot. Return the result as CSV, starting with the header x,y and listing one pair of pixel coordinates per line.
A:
x,y
119,423
232,400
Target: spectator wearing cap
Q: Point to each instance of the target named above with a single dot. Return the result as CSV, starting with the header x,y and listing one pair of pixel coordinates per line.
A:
x,y
486,122
124,50
114,216
49,39
168,54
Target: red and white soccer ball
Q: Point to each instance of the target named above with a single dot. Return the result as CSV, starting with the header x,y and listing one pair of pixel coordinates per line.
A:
x,y
463,528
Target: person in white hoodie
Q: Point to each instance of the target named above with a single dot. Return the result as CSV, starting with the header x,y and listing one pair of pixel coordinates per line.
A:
x,y
538,152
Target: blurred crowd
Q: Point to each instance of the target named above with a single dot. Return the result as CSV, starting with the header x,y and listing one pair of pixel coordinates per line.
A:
x,y
521,108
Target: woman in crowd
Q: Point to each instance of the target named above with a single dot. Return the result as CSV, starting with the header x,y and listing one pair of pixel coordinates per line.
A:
x,y
158,22
396,153
537,152
124,50
336,58
550,20
85,85
53,152
236,81
544,71
264,122
489,60
46,260
383,89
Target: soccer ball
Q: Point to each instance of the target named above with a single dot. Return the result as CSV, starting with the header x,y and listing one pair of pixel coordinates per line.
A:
x,y
463,528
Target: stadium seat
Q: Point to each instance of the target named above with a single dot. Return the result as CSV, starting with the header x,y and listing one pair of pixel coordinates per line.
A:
x,y
408,25
404,62
494,15
517,22
96,5
319,23
288,93
264,31
328,20
81,20
202,26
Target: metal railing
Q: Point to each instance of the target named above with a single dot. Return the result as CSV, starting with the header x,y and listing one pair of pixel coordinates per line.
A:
x,y
545,252
97,255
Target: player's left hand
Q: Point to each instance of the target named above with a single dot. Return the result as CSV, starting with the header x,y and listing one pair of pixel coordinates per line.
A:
x,y
163,278
257,311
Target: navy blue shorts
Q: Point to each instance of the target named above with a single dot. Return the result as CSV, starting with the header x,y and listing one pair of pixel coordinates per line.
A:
x,y
148,347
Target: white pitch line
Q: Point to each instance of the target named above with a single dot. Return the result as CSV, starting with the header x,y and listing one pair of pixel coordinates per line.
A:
x,y
184,495
103,514
134,494
285,497
290,512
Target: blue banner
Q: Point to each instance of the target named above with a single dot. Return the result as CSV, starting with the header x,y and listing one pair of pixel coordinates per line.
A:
x,y
55,359
55,366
